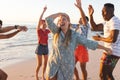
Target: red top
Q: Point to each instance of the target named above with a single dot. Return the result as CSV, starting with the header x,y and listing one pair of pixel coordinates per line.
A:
x,y
43,36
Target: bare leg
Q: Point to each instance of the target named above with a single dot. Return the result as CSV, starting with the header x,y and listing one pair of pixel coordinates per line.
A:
x,y
3,75
84,71
44,66
76,74
39,63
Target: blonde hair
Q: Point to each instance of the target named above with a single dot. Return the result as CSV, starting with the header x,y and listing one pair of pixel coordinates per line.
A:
x,y
67,37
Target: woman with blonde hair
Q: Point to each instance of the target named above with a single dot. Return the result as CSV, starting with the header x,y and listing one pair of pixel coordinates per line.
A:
x,y
61,61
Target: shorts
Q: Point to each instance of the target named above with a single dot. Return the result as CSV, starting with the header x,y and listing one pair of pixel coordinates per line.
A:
x,y
42,49
81,54
110,60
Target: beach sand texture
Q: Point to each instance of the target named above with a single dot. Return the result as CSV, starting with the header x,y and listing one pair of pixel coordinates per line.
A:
x,y
25,70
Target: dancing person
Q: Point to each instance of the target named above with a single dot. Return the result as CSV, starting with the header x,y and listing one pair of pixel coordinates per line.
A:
x,y
61,61
17,28
42,48
81,52
111,39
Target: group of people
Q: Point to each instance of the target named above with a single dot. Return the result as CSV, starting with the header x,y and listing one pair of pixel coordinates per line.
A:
x,y
71,46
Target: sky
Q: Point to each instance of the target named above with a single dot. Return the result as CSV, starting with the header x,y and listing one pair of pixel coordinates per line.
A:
x,y
29,11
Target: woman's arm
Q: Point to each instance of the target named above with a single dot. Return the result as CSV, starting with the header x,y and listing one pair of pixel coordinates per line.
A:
x,y
109,51
50,22
41,16
91,44
79,6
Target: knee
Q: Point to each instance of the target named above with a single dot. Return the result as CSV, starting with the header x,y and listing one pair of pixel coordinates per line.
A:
x,y
100,75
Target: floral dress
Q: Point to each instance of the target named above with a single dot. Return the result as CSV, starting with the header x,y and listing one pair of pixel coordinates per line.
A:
x,y
61,60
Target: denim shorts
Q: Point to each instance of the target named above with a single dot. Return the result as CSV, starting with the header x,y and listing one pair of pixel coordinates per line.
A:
x,y
42,49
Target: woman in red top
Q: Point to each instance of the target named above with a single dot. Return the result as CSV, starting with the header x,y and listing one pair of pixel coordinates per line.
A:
x,y
42,48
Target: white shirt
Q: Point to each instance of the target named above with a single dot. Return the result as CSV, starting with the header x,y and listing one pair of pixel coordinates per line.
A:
x,y
113,24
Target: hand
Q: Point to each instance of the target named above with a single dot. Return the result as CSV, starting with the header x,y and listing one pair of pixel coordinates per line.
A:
x,y
97,38
108,51
22,28
78,3
91,10
45,8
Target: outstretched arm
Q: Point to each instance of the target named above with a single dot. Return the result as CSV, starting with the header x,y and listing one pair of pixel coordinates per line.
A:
x,y
6,36
79,6
108,50
95,27
41,16
6,29
9,28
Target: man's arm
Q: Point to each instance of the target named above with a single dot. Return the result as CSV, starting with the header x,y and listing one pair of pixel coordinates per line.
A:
x,y
9,28
6,29
110,39
6,36
94,26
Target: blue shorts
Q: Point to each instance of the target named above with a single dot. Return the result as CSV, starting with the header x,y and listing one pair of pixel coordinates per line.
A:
x,y
42,49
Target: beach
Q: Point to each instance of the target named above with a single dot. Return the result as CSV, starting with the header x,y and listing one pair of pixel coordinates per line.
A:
x,y
25,70
17,57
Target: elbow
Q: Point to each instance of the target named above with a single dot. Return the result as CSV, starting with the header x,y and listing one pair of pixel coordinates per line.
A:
x,y
114,40
92,29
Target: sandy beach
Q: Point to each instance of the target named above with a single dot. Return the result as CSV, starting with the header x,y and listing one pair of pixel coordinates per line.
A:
x,y
25,70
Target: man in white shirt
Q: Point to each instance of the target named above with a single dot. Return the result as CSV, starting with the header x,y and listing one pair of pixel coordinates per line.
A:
x,y
111,39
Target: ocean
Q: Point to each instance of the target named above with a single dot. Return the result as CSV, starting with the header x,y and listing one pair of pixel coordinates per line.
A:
x,y
20,47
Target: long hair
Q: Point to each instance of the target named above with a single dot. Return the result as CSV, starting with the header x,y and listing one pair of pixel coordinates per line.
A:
x,y
67,37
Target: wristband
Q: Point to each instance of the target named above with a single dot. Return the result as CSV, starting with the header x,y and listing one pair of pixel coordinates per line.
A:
x,y
16,26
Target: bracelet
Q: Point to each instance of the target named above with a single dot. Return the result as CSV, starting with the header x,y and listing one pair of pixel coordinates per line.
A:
x,y
16,26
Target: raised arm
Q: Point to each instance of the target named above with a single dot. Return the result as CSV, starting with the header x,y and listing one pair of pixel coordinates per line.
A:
x,y
79,6
54,16
41,16
94,26
50,22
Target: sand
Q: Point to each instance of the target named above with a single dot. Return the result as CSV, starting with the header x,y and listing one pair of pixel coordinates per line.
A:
x,y
25,70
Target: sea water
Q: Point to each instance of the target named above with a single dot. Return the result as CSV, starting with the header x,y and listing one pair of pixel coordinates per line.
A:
x,y
20,47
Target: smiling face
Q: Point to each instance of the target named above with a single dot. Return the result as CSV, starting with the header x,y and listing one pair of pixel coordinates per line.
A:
x,y
64,22
105,14
108,11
